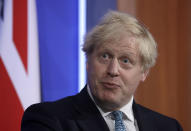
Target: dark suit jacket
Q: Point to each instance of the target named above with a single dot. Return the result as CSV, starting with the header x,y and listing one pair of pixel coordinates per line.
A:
x,y
79,113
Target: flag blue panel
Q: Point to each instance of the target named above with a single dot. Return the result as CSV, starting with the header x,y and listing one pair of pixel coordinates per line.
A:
x,y
58,44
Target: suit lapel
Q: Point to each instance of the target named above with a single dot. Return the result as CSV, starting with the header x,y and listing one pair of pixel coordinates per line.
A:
x,y
90,119
144,121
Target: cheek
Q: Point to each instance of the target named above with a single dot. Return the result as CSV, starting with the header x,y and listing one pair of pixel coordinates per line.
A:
x,y
95,72
131,80
98,69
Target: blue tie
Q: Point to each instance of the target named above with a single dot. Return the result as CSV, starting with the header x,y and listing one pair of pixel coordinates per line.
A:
x,y
119,126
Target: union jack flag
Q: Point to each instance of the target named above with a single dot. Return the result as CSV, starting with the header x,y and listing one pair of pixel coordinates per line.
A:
x,y
19,61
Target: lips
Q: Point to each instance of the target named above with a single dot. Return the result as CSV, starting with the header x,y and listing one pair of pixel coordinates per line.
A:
x,y
110,85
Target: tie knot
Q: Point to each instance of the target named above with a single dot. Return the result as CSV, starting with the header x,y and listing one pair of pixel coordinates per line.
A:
x,y
117,114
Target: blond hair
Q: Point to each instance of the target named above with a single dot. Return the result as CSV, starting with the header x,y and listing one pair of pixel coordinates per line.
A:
x,y
112,26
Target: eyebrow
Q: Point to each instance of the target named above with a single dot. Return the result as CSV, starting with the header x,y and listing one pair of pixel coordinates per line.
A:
x,y
121,53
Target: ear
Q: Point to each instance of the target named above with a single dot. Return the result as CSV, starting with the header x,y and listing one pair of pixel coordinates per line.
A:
x,y
144,75
87,64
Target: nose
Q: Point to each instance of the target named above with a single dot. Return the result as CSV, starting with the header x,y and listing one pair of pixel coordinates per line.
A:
x,y
113,68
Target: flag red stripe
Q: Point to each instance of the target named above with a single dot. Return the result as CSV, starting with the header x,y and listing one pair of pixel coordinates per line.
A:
x,y
20,35
10,107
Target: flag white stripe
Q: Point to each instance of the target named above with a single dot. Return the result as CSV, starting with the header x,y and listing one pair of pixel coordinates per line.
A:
x,y
27,85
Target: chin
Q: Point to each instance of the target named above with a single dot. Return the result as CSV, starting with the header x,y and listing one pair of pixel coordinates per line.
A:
x,y
109,103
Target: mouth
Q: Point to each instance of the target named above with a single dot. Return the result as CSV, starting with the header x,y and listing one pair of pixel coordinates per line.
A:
x,y
110,85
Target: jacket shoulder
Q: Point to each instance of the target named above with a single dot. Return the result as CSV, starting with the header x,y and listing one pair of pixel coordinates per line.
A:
x,y
159,120
63,106
48,116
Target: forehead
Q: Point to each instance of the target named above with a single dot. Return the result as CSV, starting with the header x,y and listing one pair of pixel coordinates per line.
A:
x,y
125,45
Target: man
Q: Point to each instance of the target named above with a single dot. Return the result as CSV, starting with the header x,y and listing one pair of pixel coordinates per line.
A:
x,y
120,51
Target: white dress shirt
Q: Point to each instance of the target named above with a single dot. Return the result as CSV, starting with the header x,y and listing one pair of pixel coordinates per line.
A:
x,y
128,116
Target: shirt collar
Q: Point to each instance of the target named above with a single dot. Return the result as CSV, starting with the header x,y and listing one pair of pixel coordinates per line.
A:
x,y
127,109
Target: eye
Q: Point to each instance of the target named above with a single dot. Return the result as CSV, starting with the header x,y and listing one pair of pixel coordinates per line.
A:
x,y
126,63
125,60
105,56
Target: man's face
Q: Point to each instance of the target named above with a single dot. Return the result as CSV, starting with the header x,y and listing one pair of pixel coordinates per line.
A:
x,y
114,72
